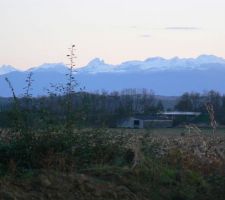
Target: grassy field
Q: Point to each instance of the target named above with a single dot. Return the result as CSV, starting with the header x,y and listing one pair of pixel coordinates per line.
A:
x,y
169,131
106,164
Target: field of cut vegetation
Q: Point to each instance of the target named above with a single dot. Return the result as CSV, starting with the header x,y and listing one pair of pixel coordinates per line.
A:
x,y
172,131
113,164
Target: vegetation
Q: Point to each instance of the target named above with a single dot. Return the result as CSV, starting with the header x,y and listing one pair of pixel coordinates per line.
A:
x,y
196,102
89,110
61,147
114,164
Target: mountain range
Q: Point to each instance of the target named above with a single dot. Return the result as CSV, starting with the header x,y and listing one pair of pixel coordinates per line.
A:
x,y
164,76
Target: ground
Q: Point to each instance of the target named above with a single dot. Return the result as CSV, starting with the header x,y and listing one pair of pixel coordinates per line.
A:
x,y
125,164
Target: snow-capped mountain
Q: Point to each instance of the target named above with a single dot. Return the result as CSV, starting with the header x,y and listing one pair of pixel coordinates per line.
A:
x,y
5,69
165,76
96,66
205,59
153,64
50,67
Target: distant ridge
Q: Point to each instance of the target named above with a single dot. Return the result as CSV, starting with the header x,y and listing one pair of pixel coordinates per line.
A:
x,y
98,65
153,64
165,76
5,69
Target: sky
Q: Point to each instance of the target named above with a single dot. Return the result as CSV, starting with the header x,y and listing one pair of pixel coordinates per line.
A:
x,y
33,32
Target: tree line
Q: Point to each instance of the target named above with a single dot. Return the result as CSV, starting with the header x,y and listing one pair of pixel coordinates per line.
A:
x,y
196,102
104,108
88,109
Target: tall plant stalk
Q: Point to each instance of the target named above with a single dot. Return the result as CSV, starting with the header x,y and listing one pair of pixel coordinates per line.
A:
x,y
16,108
70,91
211,112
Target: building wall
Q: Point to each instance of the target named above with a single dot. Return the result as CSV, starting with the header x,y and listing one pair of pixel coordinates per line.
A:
x,y
158,123
129,123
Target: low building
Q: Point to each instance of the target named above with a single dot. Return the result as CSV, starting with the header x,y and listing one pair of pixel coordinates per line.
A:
x,y
131,122
174,114
145,122
160,120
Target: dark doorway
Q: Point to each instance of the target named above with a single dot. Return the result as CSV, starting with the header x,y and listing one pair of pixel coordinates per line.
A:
x,y
136,123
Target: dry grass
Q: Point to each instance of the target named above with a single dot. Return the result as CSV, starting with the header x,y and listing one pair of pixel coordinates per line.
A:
x,y
198,150
159,160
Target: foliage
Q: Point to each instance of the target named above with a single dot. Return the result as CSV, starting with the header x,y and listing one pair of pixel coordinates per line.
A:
x,y
51,133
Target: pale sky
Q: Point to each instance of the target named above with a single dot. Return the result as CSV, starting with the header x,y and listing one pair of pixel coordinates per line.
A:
x,y
33,32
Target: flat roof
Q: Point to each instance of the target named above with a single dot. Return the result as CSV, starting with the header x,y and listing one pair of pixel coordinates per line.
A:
x,y
180,113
